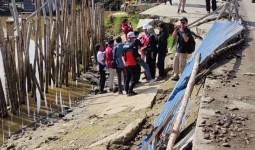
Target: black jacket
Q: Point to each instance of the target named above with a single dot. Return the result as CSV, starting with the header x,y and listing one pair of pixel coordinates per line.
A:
x,y
152,45
162,42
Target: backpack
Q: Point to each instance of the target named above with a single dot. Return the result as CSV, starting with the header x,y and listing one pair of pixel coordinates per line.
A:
x,y
191,45
114,63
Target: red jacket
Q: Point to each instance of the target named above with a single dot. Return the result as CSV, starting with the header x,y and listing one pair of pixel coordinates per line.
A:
x,y
145,41
109,56
126,29
130,59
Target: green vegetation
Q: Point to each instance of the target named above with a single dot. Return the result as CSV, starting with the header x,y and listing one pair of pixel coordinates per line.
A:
x,y
113,23
170,41
169,45
78,8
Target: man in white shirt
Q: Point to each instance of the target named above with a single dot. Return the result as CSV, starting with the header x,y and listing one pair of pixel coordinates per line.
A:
x,y
101,66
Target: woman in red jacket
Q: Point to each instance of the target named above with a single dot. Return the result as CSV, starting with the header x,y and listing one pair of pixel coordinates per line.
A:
x,y
126,28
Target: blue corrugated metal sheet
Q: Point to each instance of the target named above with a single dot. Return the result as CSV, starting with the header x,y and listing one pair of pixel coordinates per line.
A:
x,y
216,37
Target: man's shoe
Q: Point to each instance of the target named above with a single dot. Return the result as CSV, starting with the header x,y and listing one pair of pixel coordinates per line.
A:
x,y
120,93
160,78
183,11
111,90
178,11
102,92
132,93
175,78
170,1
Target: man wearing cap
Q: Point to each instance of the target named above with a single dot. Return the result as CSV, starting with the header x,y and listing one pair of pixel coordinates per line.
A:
x,y
109,59
130,64
126,28
183,34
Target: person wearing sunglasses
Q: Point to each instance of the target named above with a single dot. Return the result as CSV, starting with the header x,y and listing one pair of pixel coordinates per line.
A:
x,y
182,32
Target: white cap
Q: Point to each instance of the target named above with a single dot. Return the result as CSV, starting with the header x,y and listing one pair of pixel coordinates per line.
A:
x,y
145,26
131,35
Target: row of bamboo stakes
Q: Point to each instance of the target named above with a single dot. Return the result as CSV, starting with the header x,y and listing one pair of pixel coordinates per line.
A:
x,y
64,45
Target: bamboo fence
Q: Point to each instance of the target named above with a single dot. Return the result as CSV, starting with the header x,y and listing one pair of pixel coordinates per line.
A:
x,y
64,45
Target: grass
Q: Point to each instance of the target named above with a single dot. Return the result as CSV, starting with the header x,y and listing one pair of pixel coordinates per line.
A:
x,y
113,24
169,44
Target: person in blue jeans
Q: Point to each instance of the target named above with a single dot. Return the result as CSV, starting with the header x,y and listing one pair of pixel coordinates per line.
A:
x,y
120,69
139,60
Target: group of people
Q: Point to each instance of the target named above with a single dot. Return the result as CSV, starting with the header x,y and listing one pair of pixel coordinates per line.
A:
x,y
182,4
127,58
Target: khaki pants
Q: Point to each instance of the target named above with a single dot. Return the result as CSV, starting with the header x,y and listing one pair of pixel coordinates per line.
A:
x,y
111,77
179,63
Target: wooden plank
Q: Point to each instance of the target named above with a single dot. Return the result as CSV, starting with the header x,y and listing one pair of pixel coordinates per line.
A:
x,y
159,129
176,128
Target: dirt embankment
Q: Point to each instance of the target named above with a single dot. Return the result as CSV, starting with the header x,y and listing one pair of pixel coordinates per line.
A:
x,y
226,117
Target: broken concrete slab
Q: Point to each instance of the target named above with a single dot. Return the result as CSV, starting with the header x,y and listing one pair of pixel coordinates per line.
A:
x,y
143,22
129,132
105,140
121,137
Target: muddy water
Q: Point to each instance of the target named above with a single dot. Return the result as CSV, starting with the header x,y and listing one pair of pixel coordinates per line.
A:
x,y
56,99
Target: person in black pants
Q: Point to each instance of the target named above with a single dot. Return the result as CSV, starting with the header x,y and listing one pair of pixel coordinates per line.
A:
x,y
130,63
101,66
130,79
162,50
208,5
170,1
117,55
151,52
137,74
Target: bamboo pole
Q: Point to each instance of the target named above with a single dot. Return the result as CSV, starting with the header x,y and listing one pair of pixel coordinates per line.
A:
x,y
10,67
161,127
27,59
15,16
3,51
3,106
36,11
72,39
43,8
40,47
47,55
176,128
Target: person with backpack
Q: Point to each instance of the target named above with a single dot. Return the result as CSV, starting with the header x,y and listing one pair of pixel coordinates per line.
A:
x,y
185,45
162,50
101,66
130,64
109,60
117,57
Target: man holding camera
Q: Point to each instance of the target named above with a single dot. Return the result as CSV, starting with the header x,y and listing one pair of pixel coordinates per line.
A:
x,y
183,33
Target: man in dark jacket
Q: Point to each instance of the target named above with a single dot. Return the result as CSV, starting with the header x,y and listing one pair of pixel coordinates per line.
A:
x,y
130,64
162,50
183,33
